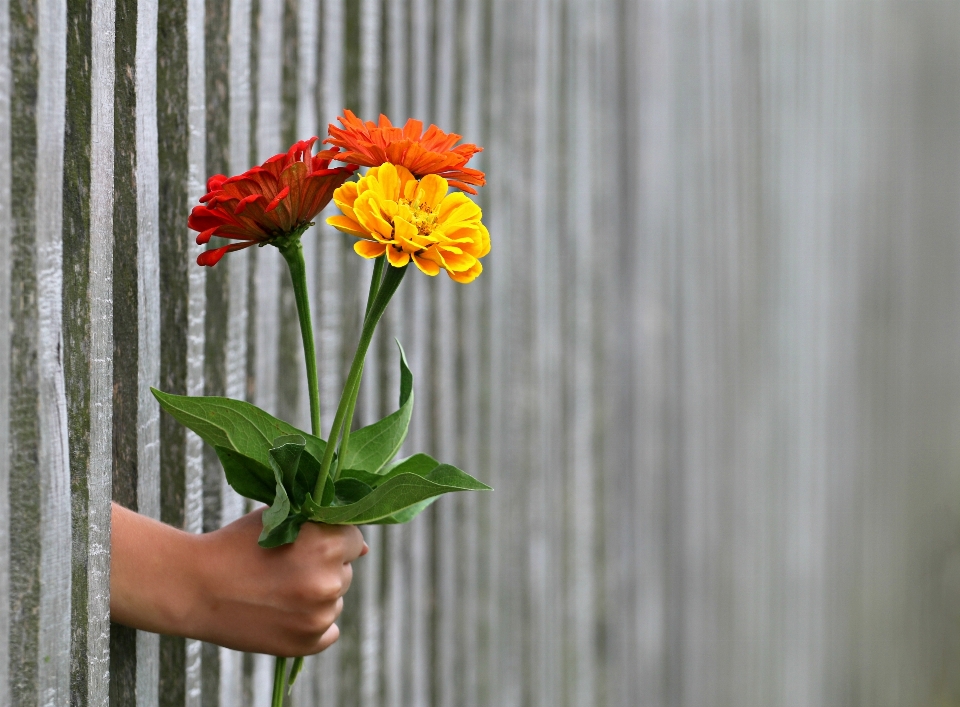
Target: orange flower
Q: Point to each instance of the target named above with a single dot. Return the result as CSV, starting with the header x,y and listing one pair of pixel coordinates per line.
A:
x,y
423,153
395,215
274,200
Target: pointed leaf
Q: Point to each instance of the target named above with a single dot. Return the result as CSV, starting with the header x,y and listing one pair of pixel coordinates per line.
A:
x,y
394,495
419,464
246,476
234,425
373,446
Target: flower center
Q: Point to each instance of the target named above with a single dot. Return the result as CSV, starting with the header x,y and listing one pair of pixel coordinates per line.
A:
x,y
422,217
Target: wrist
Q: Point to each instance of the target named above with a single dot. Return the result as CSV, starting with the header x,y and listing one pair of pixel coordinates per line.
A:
x,y
182,593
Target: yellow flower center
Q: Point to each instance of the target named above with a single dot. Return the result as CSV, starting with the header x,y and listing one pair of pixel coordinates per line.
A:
x,y
420,215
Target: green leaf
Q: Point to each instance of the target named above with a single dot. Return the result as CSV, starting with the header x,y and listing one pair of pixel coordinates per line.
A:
x,y
246,476
307,472
394,495
373,446
275,514
350,491
234,425
285,459
419,464
407,514
283,534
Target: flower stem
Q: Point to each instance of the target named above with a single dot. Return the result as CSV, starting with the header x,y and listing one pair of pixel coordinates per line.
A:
x,y
279,677
292,252
391,281
375,281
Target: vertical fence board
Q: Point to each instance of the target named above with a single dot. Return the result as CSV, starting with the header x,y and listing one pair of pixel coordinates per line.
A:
x,y
53,457
394,537
6,328
471,372
196,307
24,436
709,367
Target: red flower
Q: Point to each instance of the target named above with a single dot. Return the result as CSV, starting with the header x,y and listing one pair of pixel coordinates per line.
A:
x,y
277,199
423,153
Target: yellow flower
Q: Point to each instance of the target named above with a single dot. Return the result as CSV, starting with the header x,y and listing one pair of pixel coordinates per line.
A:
x,y
394,213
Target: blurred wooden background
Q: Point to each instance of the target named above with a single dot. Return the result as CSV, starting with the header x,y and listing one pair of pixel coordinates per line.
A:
x,y
712,367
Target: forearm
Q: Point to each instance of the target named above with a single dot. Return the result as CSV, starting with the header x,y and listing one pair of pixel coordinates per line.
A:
x,y
155,577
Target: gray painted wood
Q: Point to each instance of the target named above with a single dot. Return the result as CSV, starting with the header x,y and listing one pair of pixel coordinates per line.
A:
x,y
100,299
709,368
53,647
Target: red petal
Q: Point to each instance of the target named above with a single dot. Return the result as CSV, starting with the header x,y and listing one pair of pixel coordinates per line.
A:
x,y
216,181
204,237
277,199
212,257
246,201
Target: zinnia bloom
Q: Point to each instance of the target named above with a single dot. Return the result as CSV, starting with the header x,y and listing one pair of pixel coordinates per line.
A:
x,y
277,199
423,153
393,213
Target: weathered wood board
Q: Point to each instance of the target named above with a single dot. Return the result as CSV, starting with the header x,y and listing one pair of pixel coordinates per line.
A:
x,y
710,368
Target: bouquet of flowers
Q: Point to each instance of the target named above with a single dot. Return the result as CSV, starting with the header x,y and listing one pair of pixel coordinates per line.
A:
x,y
401,211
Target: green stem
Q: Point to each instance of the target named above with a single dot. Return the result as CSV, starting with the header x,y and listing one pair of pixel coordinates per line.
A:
x,y
375,281
391,281
292,252
347,424
279,676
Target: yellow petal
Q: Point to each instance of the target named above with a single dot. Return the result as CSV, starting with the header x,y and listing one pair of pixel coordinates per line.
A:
x,y
367,210
466,276
406,234
458,207
347,225
397,258
460,233
485,242
389,181
456,262
431,191
428,267
346,193
369,249
406,177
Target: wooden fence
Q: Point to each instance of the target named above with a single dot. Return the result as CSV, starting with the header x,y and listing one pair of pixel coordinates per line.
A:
x,y
711,367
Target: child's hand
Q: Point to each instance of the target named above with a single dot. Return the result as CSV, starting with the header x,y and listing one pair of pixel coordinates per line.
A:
x,y
224,588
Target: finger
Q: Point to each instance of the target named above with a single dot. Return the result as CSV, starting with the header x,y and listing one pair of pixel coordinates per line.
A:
x,y
352,543
346,577
329,638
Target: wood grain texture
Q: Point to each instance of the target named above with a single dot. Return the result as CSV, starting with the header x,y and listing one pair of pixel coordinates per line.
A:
x,y
6,238
709,367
